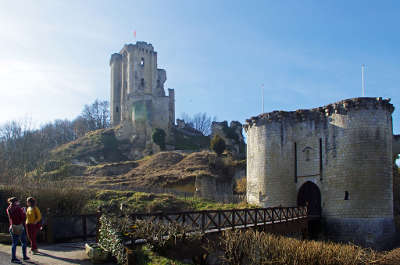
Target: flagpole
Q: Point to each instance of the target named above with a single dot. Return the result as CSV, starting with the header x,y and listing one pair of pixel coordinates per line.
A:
x,y
363,79
262,97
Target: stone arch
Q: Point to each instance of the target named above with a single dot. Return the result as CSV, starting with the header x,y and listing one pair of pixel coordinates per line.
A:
x,y
310,195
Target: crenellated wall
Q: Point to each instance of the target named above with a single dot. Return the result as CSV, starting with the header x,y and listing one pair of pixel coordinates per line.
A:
x,y
344,148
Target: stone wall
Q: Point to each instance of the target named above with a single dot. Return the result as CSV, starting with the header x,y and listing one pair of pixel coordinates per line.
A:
x,y
213,188
232,136
345,147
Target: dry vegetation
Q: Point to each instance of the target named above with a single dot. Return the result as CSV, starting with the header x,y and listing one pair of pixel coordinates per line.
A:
x,y
94,147
172,170
253,247
61,197
165,169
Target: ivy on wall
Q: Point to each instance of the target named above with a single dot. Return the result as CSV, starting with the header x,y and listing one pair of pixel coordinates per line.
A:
x,y
111,238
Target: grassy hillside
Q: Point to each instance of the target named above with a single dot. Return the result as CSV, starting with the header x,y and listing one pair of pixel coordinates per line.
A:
x,y
96,146
164,170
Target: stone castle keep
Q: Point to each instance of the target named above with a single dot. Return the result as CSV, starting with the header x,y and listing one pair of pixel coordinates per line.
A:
x,y
138,100
337,159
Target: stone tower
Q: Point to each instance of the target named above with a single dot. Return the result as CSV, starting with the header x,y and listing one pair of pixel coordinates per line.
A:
x,y
337,159
138,99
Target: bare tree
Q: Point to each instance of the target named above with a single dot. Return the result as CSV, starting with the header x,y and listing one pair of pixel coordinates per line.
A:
x,y
200,121
97,115
23,148
19,149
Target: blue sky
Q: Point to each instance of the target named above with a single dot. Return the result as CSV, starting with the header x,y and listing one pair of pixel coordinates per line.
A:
x,y
54,55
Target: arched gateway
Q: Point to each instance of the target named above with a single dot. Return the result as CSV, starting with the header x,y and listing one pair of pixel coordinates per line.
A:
x,y
310,195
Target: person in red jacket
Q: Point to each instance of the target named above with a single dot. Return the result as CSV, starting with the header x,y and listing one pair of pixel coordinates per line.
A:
x,y
16,217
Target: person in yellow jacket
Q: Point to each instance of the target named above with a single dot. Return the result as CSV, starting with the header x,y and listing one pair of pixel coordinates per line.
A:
x,y
33,222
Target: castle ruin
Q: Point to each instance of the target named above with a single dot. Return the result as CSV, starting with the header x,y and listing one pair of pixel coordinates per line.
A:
x,y
138,100
337,159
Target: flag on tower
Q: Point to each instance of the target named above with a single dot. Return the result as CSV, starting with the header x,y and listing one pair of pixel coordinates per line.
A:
x,y
134,34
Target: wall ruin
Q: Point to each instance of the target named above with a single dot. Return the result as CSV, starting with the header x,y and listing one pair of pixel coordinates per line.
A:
x,y
137,94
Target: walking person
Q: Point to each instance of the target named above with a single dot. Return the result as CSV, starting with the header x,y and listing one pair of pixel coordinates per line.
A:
x,y
16,217
33,222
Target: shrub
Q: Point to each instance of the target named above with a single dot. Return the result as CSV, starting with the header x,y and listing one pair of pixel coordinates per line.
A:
x,y
217,144
161,236
241,186
111,238
159,137
114,230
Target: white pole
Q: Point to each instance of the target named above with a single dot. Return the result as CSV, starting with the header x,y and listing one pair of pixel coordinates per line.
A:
x,y
262,97
363,79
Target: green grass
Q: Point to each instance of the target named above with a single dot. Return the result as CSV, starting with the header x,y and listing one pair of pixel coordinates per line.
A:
x,y
202,204
141,202
146,256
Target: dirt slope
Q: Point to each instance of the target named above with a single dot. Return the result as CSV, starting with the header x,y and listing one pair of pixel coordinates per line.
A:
x,y
164,170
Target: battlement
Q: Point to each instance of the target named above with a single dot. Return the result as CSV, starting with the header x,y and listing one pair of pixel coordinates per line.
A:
x,y
139,45
340,107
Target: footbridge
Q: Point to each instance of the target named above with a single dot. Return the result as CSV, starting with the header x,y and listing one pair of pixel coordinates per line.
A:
x,y
211,221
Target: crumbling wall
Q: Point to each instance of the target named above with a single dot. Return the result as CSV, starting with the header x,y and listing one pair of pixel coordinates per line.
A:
x,y
138,100
213,187
232,136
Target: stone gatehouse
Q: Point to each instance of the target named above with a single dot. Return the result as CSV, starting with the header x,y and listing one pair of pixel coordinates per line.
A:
x,y
337,159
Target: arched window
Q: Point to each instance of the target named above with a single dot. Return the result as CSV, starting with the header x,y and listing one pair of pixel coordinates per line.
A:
x,y
346,195
142,82
142,62
117,109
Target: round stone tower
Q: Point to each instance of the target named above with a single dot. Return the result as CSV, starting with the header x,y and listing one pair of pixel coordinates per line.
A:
x,y
337,159
116,84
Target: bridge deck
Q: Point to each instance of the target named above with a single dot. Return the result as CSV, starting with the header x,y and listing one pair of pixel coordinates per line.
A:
x,y
212,221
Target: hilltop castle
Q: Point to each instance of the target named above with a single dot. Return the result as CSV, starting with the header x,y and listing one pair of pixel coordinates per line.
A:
x,y
337,159
138,100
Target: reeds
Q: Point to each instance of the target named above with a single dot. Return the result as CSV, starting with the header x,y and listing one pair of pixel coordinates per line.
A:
x,y
253,247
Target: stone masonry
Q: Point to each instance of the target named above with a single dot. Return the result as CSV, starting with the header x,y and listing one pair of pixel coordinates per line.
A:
x,y
346,149
138,100
232,136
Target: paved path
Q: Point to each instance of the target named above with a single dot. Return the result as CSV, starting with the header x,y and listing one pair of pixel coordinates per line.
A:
x,y
57,254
